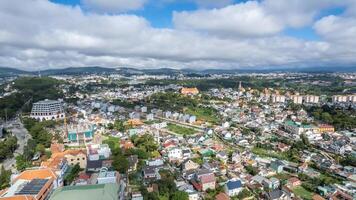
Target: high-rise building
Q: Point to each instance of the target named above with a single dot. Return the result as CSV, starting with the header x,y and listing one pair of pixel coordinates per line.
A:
x,y
311,99
297,99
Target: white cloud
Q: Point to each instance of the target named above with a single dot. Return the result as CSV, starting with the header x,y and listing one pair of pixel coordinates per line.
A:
x,y
246,19
253,18
41,34
113,6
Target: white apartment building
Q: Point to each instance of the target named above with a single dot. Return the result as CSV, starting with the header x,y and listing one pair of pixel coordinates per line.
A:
x,y
339,99
351,98
311,99
275,98
175,154
297,99
47,110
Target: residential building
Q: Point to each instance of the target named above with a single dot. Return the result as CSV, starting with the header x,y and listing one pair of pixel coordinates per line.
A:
x,y
205,179
189,165
98,151
277,166
175,154
298,128
339,99
311,99
278,98
105,176
80,133
297,99
233,187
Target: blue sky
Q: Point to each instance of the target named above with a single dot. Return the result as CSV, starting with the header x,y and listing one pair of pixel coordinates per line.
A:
x,y
177,33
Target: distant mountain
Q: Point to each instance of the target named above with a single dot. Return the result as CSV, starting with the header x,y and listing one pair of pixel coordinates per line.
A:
x,y
78,71
6,71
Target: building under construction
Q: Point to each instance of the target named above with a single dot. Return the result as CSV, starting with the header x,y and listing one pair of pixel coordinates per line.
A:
x,y
81,132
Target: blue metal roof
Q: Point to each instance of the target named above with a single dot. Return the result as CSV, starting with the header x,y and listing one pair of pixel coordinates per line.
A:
x,y
233,184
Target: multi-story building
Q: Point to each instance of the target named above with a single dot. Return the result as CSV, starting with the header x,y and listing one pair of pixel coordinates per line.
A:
x,y
326,128
298,128
311,99
297,99
47,110
105,176
351,98
31,184
72,157
339,99
276,98
81,133
98,151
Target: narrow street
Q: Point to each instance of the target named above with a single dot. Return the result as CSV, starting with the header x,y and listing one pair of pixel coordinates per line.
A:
x,y
22,135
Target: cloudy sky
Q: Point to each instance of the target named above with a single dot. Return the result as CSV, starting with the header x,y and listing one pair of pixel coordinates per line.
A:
x,y
42,34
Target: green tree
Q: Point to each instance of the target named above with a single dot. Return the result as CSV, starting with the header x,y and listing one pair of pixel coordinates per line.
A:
x,y
22,163
40,148
4,178
179,195
72,174
120,163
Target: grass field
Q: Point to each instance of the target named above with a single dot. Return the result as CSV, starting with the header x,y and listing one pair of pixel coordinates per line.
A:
x,y
113,142
265,153
303,193
180,129
205,114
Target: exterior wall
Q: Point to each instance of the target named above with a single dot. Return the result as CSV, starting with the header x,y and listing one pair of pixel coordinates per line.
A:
x,y
48,117
81,159
232,192
174,154
210,185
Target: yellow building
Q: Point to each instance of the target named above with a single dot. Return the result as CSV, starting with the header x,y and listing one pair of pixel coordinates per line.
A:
x,y
189,91
326,128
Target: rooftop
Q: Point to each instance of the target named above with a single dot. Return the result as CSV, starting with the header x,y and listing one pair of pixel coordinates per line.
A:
x,y
87,192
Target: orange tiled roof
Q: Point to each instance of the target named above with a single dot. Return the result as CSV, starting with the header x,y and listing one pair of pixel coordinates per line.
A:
x,y
56,148
56,158
19,197
36,173
189,91
72,152
135,122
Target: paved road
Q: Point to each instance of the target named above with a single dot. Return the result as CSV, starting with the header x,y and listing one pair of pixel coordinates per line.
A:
x,y
22,136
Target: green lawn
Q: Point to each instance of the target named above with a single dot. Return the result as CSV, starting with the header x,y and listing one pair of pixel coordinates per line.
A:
x,y
152,122
303,193
266,153
205,114
113,142
180,129
282,176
